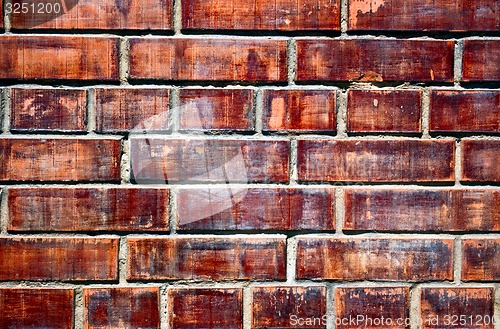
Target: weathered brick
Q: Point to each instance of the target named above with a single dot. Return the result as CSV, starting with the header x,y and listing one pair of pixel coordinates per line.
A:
x,y
88,209
58,57
130,307
1,15
480,60
376,160
480,259
202,258
194,59
36,308
391,259
289,307
480,160
471,209
209,160
465,110
374,60
299,110
384,110
211,308
58,259
216,109
131,109
59,159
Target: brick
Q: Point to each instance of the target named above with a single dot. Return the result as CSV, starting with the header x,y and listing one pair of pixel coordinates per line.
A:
x,y
58,58
198,59
48,109
424,15
100,15
289,307
465,110
211,308
209,160
132,109
36,308
388,259
58,259
256,209
480,259
362,160
1,15
465,307
59,159
207,258
88,209
384,111
216,109
299,110
480,160
480,60
280,15
395,209
372,307
130,307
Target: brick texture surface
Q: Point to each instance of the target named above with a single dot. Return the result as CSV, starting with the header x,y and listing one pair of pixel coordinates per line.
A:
x,y
480,258
480,160
480,59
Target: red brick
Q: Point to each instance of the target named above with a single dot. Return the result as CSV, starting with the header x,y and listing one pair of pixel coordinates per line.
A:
x,y
391,259
217,109
195,59
131,307
207,258
384,111
362,160
209,160
465,110
59,159
480,160
299,110
58,57
1,15
277,15
480,60
427,15
480,259
457,307
210,308
58,259
48,109
289,307
36,308
372,307
374,60
397,209
88,209
128,109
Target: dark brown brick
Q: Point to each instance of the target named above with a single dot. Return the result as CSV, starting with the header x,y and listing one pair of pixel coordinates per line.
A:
x,y
480,259
88,209
289,307
216,109
374,60
58,259
207,258
48,109
384,111
209,160
299,110
36,308
58,57
480,160
1,15
131,307
59,159
211,308
390,259
363,160
195,59
474,209
480,60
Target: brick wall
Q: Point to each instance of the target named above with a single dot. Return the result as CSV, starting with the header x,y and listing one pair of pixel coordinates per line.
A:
x,y
250,164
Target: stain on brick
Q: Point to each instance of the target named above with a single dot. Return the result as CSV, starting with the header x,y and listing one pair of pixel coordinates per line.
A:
x,y
480,259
